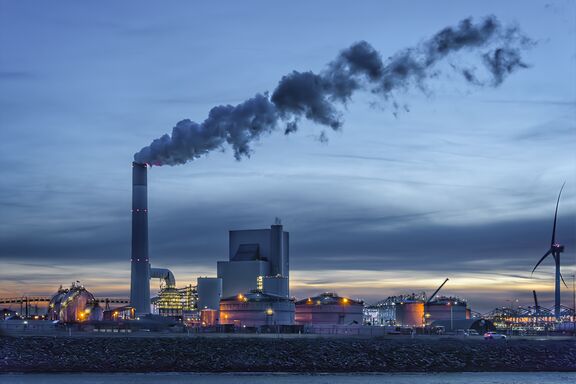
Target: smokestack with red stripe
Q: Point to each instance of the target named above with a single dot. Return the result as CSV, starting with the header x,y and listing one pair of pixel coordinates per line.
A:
x,y
140,278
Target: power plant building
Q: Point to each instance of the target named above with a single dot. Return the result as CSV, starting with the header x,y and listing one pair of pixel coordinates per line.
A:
x,y
329,308
258,260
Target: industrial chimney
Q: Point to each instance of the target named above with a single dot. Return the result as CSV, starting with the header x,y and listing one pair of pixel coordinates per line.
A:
x,y
140,278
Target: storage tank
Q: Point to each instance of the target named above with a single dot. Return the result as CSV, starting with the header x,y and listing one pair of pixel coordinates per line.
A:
x,y
209,317
209,292
71,305
410,313
255,309
446,308
329,308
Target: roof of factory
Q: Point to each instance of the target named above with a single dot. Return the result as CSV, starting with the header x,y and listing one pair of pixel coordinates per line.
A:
x,y
256,296
329,298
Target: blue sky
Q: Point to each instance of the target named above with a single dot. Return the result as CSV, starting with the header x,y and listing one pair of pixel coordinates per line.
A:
x,y
461,185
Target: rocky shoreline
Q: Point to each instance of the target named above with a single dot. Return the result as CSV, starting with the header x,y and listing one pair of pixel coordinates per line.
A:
x,y
309,355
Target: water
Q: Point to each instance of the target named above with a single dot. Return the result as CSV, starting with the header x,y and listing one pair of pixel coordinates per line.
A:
x,y
236,378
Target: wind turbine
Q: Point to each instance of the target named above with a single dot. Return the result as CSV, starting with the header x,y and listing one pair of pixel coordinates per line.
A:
x,y
555,250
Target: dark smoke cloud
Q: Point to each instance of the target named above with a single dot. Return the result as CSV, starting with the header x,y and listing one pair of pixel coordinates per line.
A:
x,y
316,96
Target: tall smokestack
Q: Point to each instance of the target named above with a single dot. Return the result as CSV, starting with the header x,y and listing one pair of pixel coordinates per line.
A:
x,y
140,278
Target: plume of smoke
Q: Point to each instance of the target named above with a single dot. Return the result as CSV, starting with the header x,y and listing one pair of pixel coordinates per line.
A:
x,y
315,96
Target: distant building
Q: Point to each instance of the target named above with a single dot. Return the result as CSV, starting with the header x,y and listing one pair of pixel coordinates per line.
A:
x,y
329,308
258,260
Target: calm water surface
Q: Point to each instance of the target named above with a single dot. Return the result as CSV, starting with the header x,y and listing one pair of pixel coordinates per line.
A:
x,y
402,378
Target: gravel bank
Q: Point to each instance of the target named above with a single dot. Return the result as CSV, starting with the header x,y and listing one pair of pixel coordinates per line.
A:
x,y
133,354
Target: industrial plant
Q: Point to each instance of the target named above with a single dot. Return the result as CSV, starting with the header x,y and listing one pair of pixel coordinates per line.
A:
x,y
250,292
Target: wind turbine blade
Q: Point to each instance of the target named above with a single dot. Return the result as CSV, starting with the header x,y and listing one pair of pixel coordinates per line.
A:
x,y
556,216
542,259
561,277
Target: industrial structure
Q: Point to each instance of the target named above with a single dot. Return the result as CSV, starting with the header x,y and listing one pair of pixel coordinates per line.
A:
x,y
209,295
141,270
74,304
328,308
258,259
534,318
256,309
415,310
252,289
209,292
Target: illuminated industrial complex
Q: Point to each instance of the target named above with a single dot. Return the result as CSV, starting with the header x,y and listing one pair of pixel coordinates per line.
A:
x,y
251,291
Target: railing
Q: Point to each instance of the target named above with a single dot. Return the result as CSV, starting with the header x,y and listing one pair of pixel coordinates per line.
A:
x,y
46,299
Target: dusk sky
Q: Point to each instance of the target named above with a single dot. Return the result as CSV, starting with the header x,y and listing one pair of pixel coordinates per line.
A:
x,y
460,181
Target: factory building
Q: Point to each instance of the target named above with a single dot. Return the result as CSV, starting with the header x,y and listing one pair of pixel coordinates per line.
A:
x,y
74,304
257,260
329,308
256,309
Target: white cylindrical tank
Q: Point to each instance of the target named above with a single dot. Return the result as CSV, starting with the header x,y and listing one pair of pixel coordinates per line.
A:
x,y
209,292
255,309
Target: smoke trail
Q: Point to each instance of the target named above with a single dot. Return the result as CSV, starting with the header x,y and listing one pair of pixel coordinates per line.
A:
x,y
316,96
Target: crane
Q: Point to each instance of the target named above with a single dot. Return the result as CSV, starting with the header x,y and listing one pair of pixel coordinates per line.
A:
x,y
430,299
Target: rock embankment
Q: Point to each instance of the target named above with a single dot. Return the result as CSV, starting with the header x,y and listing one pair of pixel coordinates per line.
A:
x,y
133,354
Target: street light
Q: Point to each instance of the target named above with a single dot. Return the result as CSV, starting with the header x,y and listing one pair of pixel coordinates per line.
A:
x,y
269,314
451,316
574,304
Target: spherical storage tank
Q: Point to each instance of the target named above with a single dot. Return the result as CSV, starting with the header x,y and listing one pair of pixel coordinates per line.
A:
x,y
329,308
71,305
255,309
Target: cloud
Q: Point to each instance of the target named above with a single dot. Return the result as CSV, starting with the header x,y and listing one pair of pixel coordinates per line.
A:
x,y
560,129
16,75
